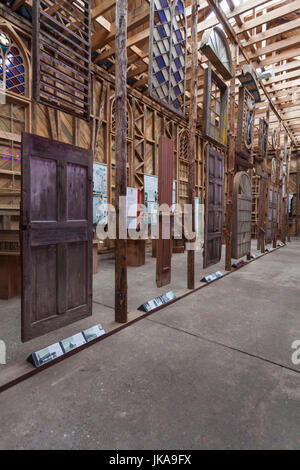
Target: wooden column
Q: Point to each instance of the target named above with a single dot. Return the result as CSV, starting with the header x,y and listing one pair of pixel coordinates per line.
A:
x,y
297,194
121,158
277,154
231,166
192,138
263,214
288,168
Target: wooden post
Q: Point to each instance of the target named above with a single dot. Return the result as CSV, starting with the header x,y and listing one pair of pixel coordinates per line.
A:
x,y
263,215
288,167
192,138
277,182
121,158
297,193
231,166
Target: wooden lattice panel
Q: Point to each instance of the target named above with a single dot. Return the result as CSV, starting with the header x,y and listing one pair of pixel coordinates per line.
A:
x,y
242,211
246,120
215,108
61,55
168,49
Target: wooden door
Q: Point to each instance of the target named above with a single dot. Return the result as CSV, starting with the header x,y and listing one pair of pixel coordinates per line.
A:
x,y
214,207
242,215
56,235
271,225
165,189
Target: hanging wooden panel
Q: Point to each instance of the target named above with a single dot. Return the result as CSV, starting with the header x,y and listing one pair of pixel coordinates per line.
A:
x,y
246,120
242,215
61,55
214,207
272,210
215,108
263,137
215,46
165,189
56,235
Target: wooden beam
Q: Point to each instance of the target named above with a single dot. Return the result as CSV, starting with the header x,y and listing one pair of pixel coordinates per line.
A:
x,y
121,159
103,7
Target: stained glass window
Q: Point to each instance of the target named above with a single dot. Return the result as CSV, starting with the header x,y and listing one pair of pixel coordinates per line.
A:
x,y
12,72
168,53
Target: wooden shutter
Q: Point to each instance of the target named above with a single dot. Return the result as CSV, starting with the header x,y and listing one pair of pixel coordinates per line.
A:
x,y
242,215
272,214
61,34
56,235
214,207
165,188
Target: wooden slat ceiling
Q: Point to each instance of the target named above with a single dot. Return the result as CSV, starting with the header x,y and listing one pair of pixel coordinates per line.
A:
x,y
267,31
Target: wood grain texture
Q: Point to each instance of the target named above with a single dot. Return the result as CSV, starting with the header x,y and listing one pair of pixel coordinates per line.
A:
x,y
56,238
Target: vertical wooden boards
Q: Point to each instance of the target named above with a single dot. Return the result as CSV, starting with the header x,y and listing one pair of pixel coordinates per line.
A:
x,y
165,188
242,212
62,55
214,207
56,235
121,159
271,224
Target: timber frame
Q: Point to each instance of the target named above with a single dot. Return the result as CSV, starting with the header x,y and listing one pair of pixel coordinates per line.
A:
x,y
262,36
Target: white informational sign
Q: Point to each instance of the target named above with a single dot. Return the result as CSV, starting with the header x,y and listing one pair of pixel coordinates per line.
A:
x,y
100,193
151,197
100,178
199,220
132,208
73,342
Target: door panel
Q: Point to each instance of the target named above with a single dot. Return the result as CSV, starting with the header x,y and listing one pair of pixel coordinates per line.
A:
x,y
56,235
242,215
165,189
214,207
271,225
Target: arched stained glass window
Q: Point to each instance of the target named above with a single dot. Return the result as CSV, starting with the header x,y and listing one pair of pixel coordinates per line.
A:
x,y
168,53
12,71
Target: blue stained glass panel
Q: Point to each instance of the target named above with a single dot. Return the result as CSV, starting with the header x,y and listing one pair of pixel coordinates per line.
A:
x,y
160,77
161,62
162,31
162,16
180,7
168,46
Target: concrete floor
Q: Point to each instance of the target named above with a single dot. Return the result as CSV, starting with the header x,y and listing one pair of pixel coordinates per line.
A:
x,y
141,288
212,371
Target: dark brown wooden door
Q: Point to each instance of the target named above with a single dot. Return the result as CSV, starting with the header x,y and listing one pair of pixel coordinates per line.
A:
x,y
56,235
242,215
214,207
165,188
271,214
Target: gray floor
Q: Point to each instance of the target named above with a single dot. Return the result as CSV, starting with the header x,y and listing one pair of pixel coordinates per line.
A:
x,y
141,288
211,371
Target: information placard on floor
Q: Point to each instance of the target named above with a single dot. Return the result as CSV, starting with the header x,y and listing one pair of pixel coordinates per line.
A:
x,y
212,277
157,302
49,353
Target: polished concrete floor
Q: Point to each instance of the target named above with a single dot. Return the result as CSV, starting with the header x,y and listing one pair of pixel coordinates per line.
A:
x,y
212,371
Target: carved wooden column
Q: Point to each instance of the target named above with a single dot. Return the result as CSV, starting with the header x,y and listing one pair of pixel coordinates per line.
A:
x,y
121,158
192,137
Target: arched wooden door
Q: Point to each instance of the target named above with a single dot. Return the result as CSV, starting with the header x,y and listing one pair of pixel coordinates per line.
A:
x,y
242,212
